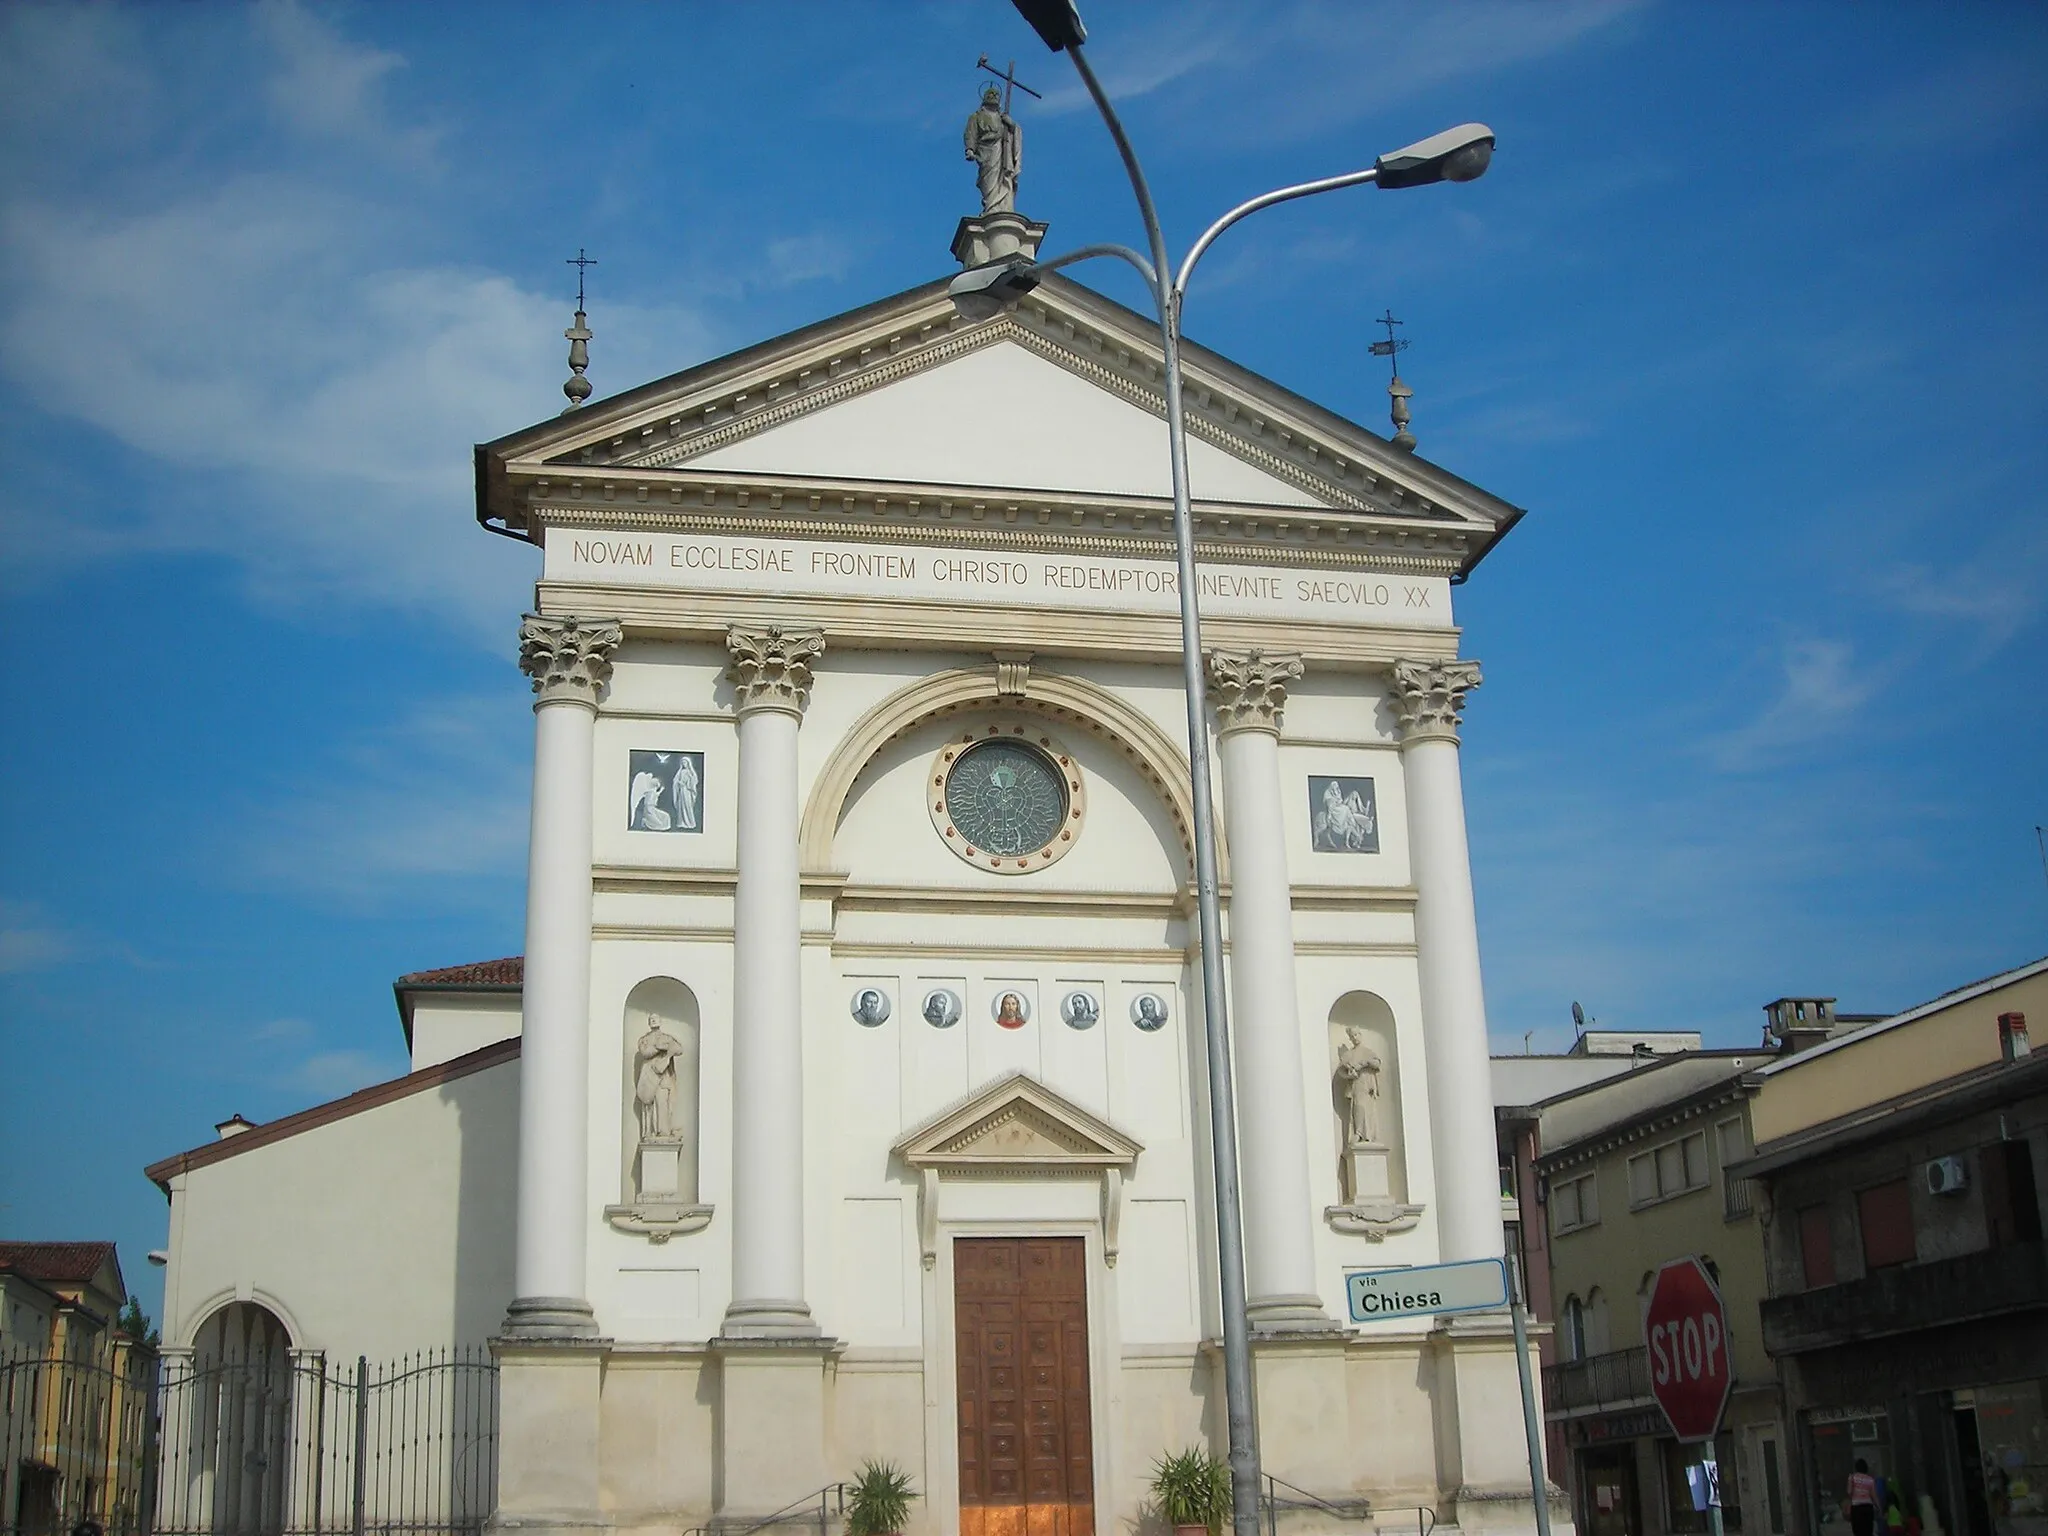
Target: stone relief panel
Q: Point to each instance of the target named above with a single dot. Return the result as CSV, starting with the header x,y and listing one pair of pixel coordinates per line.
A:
x,y
664,791
1343,815
662,1036
1365,1103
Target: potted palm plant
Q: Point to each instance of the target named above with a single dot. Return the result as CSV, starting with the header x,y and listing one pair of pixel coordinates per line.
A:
x,y
878,1500
1192,1490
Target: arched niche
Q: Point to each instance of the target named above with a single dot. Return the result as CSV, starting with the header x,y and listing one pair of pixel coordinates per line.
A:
x,y
661,1127
1367,1136
230,1422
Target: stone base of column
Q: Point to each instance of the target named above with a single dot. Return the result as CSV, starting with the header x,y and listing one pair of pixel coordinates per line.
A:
x,y
549,1478
769,1320
771,1440
1479,1425
1290,1314
549,1317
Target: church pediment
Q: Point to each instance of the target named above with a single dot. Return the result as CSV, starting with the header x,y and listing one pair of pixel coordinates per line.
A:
x,y
1017,1123
1051,412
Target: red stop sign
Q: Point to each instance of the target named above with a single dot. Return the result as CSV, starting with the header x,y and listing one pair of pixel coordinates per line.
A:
x,y
1690,1374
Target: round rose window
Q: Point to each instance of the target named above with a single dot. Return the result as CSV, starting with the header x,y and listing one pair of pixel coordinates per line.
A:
x,y
1006,799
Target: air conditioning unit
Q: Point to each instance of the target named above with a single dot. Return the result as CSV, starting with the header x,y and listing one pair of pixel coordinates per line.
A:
x,y
1947,1176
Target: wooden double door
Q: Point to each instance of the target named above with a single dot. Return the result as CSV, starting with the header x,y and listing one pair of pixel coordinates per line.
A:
x,y
1027,1452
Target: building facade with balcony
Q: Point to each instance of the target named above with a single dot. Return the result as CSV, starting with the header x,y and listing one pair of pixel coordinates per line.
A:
x,y
1631,1172
1899,1172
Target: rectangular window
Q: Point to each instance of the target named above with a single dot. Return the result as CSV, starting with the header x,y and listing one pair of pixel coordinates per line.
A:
x,y
1574,1203
1817,1246
1885,1213
2012,1209
1732,1142
1672,1169
1774,1491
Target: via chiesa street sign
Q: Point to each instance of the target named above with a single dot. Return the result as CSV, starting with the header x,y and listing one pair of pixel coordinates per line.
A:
x,y
1424,1290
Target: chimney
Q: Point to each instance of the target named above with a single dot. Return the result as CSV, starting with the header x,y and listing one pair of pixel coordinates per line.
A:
x,y
234,1125
2012,1036
1798,1023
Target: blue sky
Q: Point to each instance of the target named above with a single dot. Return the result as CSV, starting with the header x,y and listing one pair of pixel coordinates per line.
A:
x,y
1749,314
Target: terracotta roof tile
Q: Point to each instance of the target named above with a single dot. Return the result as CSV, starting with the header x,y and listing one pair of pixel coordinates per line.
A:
x,y
60,1262
509,972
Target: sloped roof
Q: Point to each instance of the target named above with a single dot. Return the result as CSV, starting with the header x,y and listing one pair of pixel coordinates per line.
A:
x,y
492,1055
61,1263
509,972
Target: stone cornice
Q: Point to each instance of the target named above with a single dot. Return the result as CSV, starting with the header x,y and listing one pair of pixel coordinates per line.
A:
x,y
1249,688
871,623
1053,522
569,659
646,437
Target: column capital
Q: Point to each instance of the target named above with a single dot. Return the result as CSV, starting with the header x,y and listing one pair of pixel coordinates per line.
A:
x,y
568,659
771,668
1249,688
1429,698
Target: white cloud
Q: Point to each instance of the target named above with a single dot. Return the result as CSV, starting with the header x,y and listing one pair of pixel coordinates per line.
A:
x,y
440,798
29,943
335,1074
1819,692
327,86
252,329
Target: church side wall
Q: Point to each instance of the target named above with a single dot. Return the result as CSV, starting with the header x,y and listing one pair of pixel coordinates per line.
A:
x,y
382,1233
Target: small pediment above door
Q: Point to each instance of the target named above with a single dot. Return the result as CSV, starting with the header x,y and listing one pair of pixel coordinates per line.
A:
x,y
1017,1123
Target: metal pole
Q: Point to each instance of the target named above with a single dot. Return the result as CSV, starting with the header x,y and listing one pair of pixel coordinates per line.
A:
x,y
356,1517
1532,1423
1237,1355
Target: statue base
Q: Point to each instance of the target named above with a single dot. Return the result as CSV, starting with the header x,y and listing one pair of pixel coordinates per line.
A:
x,y
992,237
1370,1209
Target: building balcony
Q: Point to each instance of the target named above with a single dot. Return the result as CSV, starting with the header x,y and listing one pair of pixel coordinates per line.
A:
x,y
1908,1298
1617,1379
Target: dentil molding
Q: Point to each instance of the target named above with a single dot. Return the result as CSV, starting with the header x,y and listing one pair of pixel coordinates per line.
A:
x,y
568,658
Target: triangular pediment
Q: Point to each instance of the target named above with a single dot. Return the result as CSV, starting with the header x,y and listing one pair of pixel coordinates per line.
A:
x,y
1001,415
1017,1122
1055,409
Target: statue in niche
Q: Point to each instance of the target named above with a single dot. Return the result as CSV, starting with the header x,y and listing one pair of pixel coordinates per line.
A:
x,y
996,145
1358,1084
654,1081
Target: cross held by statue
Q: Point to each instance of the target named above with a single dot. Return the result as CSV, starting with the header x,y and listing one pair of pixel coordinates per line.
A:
x,y
1009,79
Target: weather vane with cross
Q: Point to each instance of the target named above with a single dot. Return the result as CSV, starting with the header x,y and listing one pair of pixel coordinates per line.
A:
x,y
1399,394
1392,344
581,263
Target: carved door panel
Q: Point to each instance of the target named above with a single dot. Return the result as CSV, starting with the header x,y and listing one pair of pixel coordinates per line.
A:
x,y
1027,1463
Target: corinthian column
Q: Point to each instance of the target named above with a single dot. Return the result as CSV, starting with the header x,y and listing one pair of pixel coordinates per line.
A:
x,y
569,661
1248,690
771,682
1428,697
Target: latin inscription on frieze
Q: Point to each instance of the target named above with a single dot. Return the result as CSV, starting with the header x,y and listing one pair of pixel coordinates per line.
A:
x,y
1106,583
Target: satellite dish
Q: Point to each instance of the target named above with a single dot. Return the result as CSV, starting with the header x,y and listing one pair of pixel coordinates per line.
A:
x,y
1578,1017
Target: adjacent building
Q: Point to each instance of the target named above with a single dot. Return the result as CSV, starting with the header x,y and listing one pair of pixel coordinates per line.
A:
x,y
1899,1173
75,1390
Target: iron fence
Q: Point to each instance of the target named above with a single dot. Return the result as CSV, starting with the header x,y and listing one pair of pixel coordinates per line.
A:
x,y
255,1443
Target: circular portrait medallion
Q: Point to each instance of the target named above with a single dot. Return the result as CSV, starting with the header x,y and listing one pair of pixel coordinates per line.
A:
x,y
1148,1011
941,1008
871,1007
1012,1010
1080,1010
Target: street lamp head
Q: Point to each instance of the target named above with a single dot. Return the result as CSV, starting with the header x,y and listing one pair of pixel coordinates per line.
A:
x,y
1457,154
982,293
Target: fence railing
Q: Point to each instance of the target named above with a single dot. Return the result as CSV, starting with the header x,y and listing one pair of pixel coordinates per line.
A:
x,y
267,1443
1598,1381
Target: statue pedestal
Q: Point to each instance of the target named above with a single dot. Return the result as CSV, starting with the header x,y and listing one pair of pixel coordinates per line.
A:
x,y
990,237
1370,1207
661,1168
1367,1180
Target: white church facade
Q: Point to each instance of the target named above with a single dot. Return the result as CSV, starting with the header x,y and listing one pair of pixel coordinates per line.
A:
x,y
852,1100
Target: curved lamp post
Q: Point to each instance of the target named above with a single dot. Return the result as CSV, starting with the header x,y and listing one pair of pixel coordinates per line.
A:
x,y
1457,154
